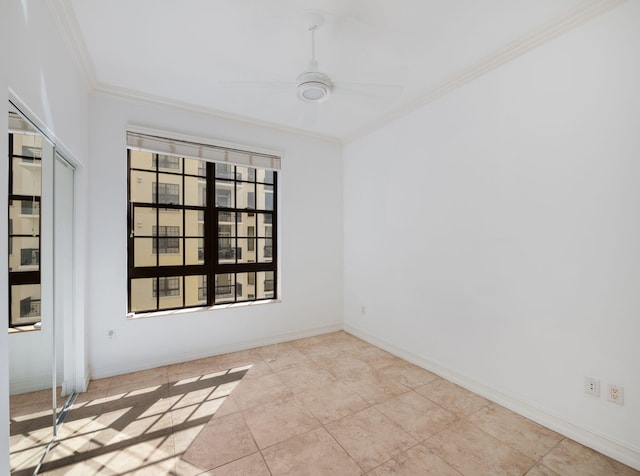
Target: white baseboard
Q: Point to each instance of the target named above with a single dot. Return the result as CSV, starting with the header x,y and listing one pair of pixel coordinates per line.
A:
x,y
102,372
603,444
84,383
31,384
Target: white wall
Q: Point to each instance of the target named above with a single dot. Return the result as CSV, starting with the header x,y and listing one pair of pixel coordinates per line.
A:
x,y
39,70
493,234
310,216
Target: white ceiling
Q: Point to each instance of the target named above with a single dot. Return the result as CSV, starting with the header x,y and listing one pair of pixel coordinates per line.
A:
x,y
188,51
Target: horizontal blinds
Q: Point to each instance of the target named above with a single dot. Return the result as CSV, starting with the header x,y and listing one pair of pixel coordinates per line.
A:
x,y
19,125
195,150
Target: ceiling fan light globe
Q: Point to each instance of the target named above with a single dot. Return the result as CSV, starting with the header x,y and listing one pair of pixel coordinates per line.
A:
x,y
313,91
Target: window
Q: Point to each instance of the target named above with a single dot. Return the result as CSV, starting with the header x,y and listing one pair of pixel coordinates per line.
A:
x,y
223,197
29,307
168,241
200,232
166,161
30,207
29,257
168,287
29,152
251,243
268,284
168,193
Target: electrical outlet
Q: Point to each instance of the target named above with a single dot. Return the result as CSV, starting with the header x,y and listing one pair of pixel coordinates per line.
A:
x,y
615,394
363,310
592,386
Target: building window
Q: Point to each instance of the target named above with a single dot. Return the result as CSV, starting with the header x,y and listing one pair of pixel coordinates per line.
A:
x,y
167,240
268,285
223,198
29,257
202,293
29,307
30,152
166,161
166,193
30,207
167,287
251,243
200,233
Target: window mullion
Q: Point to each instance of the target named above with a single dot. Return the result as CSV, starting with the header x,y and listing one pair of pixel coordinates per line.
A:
x,y
211,233
235,227
156,238
182,239
130,231
274,232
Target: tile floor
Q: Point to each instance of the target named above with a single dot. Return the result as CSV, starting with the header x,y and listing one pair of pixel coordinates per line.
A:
x,y
31,426
331,404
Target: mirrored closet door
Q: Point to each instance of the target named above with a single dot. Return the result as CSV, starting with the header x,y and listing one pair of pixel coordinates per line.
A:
x,y
40,310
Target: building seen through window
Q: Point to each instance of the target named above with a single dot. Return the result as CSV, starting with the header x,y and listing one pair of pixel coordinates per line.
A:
x,y
200,233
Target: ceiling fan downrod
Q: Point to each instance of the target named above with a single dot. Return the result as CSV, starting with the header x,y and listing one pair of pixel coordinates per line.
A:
x,y
313,85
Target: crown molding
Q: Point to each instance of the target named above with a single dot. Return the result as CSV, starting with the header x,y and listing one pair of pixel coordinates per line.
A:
x,y
137,97
565,23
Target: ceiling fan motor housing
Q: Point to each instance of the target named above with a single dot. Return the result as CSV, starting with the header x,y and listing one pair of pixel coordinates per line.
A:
x,y
313,86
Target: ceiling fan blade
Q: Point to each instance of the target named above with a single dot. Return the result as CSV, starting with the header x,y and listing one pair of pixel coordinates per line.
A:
x,y
367,90
271,85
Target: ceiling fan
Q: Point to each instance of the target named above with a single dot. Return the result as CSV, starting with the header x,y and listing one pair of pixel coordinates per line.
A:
x,y
313,86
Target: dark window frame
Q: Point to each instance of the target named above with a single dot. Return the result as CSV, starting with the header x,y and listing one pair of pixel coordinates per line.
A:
x,y
212,264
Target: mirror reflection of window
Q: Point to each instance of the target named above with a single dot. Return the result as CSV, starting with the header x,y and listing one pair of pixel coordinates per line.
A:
x,y
25,193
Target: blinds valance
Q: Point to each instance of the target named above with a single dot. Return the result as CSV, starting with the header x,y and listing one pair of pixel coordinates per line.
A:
x,y
195,149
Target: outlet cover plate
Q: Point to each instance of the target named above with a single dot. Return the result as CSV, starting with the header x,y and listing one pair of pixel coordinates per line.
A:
x,y
592,386
615,394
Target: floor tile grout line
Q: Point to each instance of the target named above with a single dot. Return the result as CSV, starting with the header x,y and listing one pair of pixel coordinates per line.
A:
x,y
420,443
466,419
536,459
266,447
264,460
562,439
440,406
351,415
344,449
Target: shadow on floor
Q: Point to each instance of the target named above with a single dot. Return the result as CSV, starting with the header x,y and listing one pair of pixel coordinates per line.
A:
x,y
98,427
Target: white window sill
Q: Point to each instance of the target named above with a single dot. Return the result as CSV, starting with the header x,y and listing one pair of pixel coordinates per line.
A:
x,y
23,329
217,307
